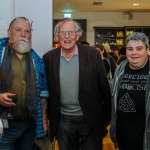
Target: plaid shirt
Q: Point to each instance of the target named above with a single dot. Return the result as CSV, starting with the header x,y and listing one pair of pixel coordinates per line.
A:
x,y
41,84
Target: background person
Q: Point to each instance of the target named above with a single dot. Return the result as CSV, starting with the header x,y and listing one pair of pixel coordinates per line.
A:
x,y
104,57
130,124
122,55
110,56
79,105
115,52
22,71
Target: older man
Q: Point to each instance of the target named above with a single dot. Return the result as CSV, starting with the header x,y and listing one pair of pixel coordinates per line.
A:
x,y
79,105
22,78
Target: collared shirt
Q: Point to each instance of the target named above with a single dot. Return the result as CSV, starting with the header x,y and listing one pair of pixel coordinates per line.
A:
x,y
19,85
41,84
75,53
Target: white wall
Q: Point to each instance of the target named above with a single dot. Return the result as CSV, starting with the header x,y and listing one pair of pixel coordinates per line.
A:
x,y
6,15
108,19
39,11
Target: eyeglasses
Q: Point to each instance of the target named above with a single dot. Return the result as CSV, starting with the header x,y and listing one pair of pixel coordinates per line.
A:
x,y
71,33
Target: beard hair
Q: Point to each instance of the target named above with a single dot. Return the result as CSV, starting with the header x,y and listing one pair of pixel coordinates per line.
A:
x,y
20,47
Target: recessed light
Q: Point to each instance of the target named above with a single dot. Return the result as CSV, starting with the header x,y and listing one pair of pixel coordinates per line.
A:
x,y
136,4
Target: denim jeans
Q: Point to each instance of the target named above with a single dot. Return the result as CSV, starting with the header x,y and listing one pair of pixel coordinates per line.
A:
x,y
74,134
19,136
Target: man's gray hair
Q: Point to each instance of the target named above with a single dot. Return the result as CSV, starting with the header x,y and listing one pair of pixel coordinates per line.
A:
x,y
62,21
21,18
138,36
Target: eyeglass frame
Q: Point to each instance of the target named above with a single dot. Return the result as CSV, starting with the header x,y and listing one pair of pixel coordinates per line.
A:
x,y
70,33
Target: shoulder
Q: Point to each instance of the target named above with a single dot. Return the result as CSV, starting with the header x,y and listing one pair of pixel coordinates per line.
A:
x,y
35,56
3,41
38,62
86,47
87,50
121,67
51,53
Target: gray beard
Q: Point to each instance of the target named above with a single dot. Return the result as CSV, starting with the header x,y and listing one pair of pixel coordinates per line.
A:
x,y
22,48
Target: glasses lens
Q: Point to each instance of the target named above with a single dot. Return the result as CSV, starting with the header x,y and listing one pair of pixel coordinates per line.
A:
x,y
65,32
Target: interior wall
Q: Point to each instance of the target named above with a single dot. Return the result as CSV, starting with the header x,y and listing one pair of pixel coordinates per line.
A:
x,y
39,11
108,19
6,15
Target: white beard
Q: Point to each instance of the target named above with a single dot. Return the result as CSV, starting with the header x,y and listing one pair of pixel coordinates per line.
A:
x,y
22,48
19,46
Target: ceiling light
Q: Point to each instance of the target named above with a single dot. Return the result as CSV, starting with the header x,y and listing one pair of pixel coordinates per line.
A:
x,y
136,4
67,15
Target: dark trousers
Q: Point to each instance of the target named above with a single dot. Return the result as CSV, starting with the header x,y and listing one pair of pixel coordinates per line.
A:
x,y
74,134
19,136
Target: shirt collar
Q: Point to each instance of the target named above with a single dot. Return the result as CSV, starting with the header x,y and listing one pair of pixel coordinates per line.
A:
x,y
75,52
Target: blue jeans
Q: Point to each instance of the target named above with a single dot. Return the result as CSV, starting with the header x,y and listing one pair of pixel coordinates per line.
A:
x,y
19,136
74,134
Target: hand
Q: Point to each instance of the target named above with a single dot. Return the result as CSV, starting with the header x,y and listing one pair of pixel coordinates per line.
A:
x,y
6,101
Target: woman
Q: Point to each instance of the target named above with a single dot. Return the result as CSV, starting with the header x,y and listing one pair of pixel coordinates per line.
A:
x,y
130,124
105,59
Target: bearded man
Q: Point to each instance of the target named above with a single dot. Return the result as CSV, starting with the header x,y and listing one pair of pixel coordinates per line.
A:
x,y
23,88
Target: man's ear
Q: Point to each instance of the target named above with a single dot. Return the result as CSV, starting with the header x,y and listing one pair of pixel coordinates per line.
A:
x,y
8,32
56,38
78,37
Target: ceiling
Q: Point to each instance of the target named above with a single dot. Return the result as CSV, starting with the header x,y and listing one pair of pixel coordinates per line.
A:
x,y
103,6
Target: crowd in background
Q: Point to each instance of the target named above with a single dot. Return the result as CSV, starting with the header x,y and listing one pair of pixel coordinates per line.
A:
x,y
112,55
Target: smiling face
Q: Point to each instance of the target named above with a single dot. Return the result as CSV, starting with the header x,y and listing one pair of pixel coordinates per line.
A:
x,y
137,54
67,36
19,35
